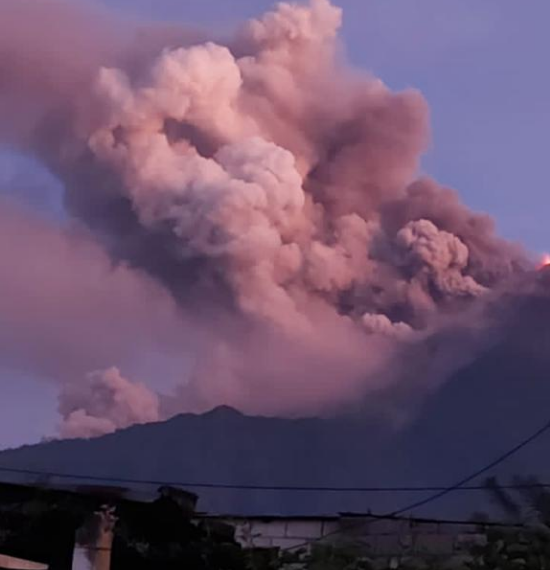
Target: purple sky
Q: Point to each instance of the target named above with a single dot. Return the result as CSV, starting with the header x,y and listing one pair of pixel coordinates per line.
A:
x,y
482,67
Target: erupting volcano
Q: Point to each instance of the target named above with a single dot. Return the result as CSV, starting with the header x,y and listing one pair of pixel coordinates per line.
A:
x,y
247,212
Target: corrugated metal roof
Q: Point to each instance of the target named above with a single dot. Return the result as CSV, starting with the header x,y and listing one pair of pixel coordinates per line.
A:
x,y
106,492
354,515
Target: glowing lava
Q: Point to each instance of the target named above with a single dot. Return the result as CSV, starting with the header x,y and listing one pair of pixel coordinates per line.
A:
x,y
545,261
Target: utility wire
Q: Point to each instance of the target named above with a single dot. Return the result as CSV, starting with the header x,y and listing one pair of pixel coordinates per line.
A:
x,y
438,495
204,485
440,492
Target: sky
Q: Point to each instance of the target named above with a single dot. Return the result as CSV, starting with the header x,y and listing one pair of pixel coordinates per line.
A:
x,y
482,67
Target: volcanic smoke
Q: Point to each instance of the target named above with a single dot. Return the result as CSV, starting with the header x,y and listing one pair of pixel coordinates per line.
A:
x,y
248,208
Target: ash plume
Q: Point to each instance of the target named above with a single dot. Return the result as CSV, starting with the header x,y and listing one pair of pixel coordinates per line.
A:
x,y
267,192
108,401
67,309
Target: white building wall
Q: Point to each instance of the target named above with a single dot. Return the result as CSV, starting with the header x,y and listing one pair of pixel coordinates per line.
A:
x,y
279,533
382,537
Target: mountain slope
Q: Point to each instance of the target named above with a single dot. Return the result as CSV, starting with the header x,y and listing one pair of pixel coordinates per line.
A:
x,y
484,409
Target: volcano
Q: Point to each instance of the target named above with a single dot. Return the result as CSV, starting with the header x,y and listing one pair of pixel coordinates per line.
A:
x,y
483,410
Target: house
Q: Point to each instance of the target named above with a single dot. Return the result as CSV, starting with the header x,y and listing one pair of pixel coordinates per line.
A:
x,y
78,527
379,535
90,527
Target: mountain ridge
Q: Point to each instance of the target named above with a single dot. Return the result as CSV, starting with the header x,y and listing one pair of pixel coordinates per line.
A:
x,y
484,409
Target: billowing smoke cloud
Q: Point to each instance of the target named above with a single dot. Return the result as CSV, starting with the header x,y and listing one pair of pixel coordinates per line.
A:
x,y
441,255
268,191
106,402
66,309
380,324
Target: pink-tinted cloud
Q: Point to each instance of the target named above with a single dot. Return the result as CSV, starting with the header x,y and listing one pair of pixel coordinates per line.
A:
x,y
261,187
66,308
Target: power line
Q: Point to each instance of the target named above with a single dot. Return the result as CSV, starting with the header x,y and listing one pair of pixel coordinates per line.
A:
x,y
243,487
439,494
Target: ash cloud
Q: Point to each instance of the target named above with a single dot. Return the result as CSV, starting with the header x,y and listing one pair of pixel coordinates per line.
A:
x,y
268,192
105,403
67,309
